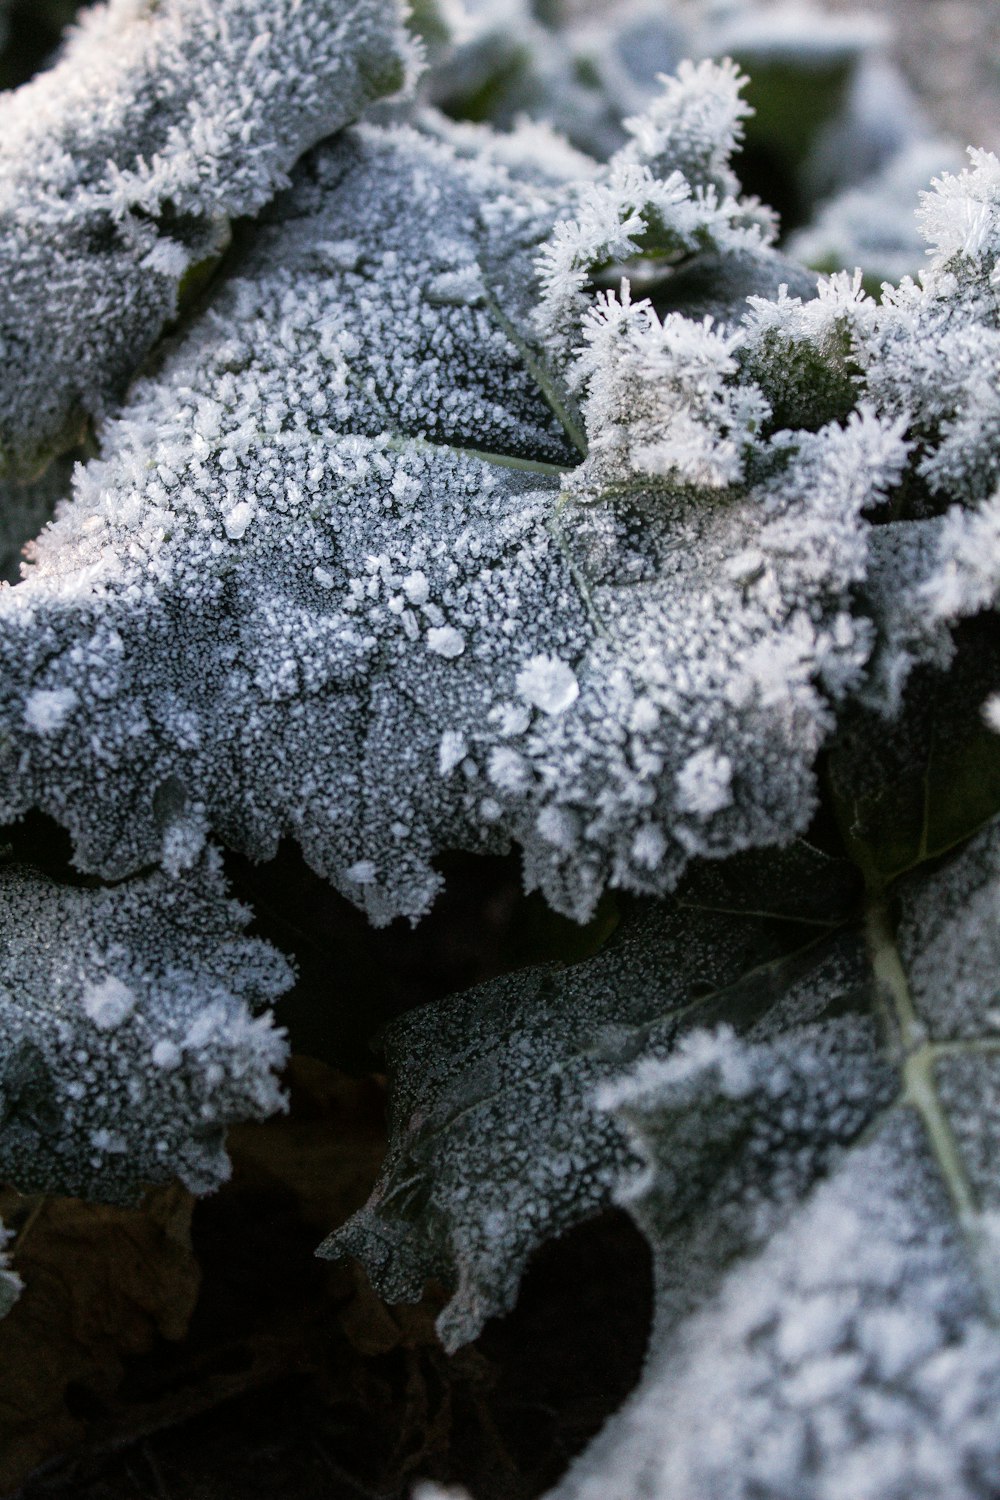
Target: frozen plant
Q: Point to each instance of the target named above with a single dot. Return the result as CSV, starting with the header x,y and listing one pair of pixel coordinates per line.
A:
x,y
487,494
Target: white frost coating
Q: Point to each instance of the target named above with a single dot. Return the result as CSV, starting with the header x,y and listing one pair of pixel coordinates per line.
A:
x,y
928,358
121,165
950,940
108,1003
47,709
129,1039
548,683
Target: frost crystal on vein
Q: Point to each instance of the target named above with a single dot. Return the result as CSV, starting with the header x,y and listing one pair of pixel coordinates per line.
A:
x,y
130,1040
122,165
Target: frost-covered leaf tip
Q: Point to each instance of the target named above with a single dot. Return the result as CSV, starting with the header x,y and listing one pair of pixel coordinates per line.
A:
x,y
130,1039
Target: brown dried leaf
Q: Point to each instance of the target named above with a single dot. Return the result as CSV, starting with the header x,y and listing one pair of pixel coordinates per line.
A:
x,y
101,1284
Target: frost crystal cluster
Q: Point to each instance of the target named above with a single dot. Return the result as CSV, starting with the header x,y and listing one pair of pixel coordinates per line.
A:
x,y
433,482
130,1035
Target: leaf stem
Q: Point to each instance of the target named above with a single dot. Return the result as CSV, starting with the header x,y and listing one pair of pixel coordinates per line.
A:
x,y
504,460
543,378
919,1055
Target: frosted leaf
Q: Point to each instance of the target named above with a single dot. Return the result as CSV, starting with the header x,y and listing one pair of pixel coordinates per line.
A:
x,y
661,400
925,578
329,532
821,1196
927,358
939,360
950,942
847,1359
857,1354
933,350
205,105
495,1142
905,568
802,353
693,126
130,1041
